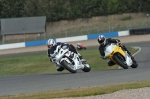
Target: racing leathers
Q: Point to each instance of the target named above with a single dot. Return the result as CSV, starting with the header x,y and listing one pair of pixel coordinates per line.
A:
x,y
109,41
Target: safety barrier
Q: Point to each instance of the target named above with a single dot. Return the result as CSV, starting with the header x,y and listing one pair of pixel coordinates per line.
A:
x,y
67,39
140,31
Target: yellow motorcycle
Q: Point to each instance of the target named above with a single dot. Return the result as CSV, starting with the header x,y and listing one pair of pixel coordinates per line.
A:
x,y
119,56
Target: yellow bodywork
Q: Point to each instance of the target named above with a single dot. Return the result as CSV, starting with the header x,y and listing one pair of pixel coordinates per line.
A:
x,y
117,49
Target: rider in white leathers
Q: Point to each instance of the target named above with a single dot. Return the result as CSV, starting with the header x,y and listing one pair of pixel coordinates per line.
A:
x,y
52,45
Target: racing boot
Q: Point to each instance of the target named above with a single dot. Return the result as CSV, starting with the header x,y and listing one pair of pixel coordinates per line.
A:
x,y
59,68
111,63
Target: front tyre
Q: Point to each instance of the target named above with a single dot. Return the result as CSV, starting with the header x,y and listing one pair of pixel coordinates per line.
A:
x,y
87,67
134,65
68,66
120,60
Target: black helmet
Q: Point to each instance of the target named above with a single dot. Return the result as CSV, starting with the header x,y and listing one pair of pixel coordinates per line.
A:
x,y
101,39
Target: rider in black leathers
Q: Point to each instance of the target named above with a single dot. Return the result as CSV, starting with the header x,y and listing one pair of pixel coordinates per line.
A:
x,y
104,42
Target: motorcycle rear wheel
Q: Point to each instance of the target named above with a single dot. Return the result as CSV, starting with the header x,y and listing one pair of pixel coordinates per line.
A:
x,y
68,66
120,60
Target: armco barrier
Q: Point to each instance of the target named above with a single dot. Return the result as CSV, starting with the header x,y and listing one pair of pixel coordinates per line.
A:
x,y
71,39
36,43
10,46
123,33
68,39
140,31
107,35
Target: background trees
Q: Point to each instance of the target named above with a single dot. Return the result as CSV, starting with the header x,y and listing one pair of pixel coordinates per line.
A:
x,y
56,10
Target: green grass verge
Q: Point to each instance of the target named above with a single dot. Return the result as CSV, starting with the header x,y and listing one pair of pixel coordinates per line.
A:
x,y
81,92
39,63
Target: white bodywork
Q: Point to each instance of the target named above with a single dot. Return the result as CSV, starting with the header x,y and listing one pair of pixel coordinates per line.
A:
x,y
59,54
109,49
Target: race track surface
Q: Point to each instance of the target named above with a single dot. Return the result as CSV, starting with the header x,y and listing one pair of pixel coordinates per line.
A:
x,y
10,85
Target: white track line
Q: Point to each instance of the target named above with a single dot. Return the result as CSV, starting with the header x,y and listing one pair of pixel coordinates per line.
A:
x,y
137,51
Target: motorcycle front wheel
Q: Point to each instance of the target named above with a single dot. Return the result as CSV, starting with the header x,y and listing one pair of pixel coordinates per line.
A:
x,y
120,60
68,66
134,65
87,67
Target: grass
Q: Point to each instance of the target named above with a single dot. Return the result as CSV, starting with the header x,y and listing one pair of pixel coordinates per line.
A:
x,y
126,18
28,64
81,92
39,63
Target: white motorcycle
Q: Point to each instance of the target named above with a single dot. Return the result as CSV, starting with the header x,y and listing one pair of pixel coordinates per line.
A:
x,y
116,54
70,60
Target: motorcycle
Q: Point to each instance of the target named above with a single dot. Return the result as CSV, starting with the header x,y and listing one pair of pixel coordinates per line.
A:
x,y
70,60
119,56
81,47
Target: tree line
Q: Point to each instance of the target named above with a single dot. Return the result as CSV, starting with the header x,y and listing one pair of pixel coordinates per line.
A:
x,y
56,10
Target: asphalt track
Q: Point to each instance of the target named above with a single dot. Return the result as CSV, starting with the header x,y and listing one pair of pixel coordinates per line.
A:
x,y
10,85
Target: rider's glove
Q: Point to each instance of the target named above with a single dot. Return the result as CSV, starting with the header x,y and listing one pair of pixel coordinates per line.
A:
x,y
118,43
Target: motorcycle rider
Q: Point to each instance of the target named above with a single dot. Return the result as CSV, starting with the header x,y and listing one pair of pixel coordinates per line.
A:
x,y
52,45
104,42
80,46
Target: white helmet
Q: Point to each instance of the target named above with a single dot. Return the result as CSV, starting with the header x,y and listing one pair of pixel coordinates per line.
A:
x,y
50,43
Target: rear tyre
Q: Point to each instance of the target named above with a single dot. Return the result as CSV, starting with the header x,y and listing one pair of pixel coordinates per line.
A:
x,y
120,60
68,66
